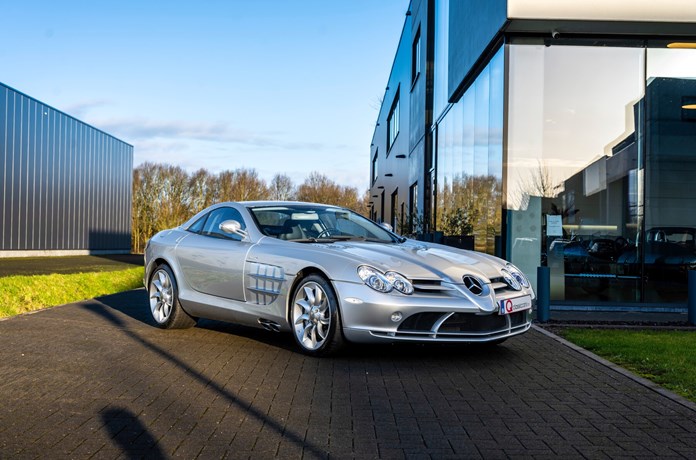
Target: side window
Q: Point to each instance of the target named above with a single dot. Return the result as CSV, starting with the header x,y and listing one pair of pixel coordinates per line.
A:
x,y
197,226
218,216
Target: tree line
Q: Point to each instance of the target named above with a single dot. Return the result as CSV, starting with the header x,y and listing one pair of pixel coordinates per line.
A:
x,y
165,196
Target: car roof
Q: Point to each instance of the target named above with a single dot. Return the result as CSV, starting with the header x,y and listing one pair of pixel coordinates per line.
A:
x,y
253,204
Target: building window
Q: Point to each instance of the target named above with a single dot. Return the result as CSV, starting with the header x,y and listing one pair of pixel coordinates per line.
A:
x,y
393,122
413,207
608,167
470,161
395,209
381,208
416,56
374,168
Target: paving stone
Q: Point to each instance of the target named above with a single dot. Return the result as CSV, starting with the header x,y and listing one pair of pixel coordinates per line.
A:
x,y
96,379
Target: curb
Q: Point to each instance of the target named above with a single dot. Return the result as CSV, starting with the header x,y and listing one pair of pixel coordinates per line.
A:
x,y
620,370
635,326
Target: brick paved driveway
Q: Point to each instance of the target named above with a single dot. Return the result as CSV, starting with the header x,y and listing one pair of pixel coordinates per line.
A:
x,y
96,379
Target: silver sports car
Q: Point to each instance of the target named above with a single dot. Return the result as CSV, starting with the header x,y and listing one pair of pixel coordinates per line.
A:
x,y
329,276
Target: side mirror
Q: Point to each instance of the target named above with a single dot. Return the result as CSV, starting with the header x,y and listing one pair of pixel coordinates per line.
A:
x,y
233,227
386,226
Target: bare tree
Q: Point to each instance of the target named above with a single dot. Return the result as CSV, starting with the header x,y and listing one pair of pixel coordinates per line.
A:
x,y
165,196
281,188
160,197
241,185
539,183
319,188
201,190
471,205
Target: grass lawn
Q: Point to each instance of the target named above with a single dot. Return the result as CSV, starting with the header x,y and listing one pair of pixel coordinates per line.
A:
x,y
24,293
668,358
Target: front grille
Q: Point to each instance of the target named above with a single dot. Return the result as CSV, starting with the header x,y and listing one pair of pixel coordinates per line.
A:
x,y
518,318
457,327
500,286
438,324
469,322
421,321
431,287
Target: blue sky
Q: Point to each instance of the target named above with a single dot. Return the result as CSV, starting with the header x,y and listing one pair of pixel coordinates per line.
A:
x,y
290,86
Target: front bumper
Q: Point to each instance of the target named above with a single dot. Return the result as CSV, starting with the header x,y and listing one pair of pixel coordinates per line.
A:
x,y
367,317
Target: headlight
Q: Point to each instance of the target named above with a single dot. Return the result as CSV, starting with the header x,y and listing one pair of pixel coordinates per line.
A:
x,y
400,283
518,275
374,279
384,282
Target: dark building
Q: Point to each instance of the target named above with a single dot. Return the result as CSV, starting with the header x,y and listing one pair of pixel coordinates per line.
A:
x,y
548,133
65,187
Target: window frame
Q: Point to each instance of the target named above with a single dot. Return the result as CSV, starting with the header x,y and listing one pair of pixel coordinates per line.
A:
x,y
393,122
375,160
412,204
192,228
219,234
416,50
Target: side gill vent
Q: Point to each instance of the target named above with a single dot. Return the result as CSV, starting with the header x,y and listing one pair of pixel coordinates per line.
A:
x,y
473,284
269,325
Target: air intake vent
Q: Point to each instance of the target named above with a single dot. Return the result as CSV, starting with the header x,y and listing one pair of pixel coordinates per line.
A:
x,y
473,284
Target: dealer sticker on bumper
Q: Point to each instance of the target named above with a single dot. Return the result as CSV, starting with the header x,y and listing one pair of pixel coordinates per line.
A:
x,y
517,304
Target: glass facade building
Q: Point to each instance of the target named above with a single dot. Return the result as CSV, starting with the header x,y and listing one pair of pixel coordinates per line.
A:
x,y
65,187
565,141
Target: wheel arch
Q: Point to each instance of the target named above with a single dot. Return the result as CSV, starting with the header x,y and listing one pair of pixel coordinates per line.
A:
x,y
299,276
152,266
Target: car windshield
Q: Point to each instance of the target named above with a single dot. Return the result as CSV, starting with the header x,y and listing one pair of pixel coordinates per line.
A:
x,y
307,224
681,236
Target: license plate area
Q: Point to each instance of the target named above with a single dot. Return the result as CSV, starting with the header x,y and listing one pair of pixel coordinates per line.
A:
x,y
515,304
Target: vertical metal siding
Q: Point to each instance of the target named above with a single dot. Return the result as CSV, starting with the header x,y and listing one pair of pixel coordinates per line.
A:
x,y
64,185
5,157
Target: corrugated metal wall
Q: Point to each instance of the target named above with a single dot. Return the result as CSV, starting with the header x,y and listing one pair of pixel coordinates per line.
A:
x,y
64,185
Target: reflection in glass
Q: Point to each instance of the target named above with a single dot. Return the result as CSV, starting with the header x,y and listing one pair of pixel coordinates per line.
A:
x,y
670,169
574,148
604,140
440,73
469,164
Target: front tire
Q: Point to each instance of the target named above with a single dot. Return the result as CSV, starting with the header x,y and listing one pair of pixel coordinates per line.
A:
x,y
316,323
164,301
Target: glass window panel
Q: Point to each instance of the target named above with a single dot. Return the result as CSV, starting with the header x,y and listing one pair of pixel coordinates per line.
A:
x,y
670,169
482,91
495,115
416,56
467,188
573,141
218,216
441,75
468,102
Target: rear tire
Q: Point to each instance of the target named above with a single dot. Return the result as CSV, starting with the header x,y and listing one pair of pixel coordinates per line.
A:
x,y
315,319
164,301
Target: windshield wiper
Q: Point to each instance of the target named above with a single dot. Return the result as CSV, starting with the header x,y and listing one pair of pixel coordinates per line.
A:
x,y
346,237
305,240
330,239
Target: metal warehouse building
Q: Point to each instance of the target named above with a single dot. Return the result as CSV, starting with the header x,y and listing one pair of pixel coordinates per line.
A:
x,y
65,186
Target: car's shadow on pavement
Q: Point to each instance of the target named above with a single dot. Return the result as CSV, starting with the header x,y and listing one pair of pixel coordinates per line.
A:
x,y
134,304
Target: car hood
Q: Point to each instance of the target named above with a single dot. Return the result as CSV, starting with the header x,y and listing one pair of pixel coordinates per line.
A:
x,y
417,260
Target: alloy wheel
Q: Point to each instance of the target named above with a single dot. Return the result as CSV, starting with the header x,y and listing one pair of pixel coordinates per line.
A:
x,y
161,296
311,316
